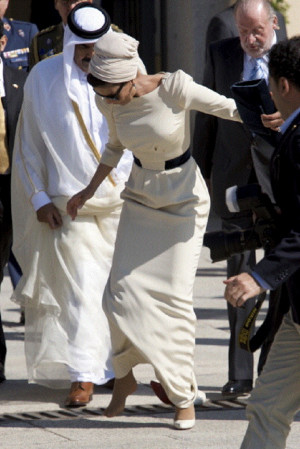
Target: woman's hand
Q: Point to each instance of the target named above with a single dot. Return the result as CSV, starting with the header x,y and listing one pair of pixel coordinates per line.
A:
x,y
273,121
77,201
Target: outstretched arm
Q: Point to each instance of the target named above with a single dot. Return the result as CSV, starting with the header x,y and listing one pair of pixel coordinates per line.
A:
x,y
78,200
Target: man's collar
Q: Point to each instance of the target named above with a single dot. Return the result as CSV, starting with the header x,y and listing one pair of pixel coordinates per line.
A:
x,y
289,120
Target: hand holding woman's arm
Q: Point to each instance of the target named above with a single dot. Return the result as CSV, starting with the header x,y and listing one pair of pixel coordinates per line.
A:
x,y
78,200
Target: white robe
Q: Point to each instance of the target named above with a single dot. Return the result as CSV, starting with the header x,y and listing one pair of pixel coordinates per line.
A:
x,y
65,270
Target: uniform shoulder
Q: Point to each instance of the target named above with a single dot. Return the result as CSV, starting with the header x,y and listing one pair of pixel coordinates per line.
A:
x,y
116,28
21,23
53,29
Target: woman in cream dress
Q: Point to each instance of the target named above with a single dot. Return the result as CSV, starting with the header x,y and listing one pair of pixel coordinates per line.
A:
x,y
149,295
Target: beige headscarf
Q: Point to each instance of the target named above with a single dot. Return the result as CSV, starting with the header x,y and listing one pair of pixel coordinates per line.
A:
x,y
116,58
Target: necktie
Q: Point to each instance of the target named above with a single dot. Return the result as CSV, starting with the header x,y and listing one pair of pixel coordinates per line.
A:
x,y
4,160
257,70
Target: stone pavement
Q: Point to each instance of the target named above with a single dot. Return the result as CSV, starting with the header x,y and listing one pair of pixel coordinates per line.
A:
x,y
33,417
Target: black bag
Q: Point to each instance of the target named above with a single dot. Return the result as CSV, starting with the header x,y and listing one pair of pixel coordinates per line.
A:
x,y
253,99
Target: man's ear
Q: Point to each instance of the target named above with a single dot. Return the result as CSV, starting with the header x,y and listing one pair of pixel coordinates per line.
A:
x,y
284,86
3,42
275,23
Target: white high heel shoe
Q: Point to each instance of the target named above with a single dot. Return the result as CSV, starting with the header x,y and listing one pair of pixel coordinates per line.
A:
x,y
184,424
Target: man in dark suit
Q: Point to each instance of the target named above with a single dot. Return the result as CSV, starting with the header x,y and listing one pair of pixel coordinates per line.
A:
x,y
276,397
11,88
223,26
19,36
228,154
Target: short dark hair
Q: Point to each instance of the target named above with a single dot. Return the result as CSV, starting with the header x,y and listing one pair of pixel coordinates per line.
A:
x,y
285,60
1,28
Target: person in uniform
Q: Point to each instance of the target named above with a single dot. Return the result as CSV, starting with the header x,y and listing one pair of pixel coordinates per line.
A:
x,y
19,35
11,94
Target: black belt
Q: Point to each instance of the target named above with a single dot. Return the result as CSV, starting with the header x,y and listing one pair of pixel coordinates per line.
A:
x,y
171,163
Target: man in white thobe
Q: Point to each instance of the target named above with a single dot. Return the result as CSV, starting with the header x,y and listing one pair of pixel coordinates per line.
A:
x,y
65,263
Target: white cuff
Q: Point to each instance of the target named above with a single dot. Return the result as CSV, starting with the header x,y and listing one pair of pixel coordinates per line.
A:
x,y
39,200
230,199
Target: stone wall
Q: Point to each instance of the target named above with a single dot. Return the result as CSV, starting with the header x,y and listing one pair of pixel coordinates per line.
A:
x,y
184,29
186,26
293,17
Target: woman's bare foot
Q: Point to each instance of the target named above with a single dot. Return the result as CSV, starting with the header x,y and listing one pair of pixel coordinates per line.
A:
x,y
123,387
184,413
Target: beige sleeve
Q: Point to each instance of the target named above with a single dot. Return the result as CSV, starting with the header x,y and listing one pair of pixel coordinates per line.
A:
x,y
196,97
200,98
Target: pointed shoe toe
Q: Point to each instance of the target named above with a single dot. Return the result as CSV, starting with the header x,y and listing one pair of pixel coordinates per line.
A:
x,y
201,398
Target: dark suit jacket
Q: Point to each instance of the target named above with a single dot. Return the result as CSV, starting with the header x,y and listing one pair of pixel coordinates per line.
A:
x,y
223,26
282,264
226,151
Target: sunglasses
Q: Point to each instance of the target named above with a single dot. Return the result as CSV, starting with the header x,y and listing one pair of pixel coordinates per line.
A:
x,y
115,96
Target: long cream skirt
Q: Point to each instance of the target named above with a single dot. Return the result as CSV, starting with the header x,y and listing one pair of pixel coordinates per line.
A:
x,y
149,295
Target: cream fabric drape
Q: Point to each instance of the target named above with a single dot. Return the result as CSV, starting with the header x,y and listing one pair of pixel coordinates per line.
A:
x,y
64,270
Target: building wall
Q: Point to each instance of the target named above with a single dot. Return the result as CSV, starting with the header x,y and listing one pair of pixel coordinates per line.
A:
x,y
186,26
183,29
293,16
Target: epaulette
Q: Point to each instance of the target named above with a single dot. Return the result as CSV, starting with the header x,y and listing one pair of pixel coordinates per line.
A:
x,y
46,30
20,22
116,28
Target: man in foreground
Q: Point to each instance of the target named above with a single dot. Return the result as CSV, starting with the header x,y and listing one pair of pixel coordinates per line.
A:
x,y
65,264
276,397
